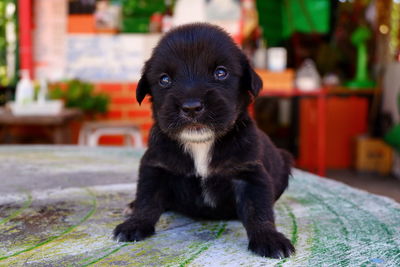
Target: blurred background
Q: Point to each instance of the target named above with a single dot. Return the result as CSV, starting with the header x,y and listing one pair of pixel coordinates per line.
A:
x,y
331,72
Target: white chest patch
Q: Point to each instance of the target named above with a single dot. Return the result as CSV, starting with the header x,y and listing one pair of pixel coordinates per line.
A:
x,y
199,143
200,153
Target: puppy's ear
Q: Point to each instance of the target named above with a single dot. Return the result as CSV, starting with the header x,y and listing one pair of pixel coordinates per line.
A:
x,y
143,87
250,79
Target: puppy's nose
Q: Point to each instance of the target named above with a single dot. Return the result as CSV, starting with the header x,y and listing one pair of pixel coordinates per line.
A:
x,y
192,107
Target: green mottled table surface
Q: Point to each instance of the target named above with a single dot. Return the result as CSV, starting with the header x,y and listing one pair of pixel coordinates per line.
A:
x,y
59,205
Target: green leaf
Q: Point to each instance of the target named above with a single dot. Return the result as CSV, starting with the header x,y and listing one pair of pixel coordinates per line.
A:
x,y
79,94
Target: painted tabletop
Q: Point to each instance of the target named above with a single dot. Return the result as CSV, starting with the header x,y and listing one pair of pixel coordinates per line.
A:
x,y
59,205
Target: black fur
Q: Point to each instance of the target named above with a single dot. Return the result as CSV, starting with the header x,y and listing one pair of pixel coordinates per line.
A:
x,y
247,173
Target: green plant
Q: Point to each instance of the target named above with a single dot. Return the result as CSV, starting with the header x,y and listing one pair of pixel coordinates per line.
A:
x,y
8,43
79,94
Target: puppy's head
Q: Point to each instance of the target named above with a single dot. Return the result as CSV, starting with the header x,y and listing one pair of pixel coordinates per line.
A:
x,y
200,83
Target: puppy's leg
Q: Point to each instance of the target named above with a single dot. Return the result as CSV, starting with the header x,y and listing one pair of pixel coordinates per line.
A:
x,y
149,205
281,182
254,202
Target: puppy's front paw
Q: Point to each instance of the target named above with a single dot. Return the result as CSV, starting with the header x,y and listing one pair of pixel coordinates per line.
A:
x,y
130,231
272,245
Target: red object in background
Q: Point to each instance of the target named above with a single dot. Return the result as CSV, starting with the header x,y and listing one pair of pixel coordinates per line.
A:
x,y
111,140
25,35
81,23
346,118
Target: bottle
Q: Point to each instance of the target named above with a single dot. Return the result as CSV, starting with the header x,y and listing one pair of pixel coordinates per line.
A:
x,y
156,23
42,94
307,77
250,18
167,17
25,90
260,56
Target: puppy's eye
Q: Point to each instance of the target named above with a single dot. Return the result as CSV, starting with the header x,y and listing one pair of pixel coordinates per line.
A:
x,y
165,80
220,73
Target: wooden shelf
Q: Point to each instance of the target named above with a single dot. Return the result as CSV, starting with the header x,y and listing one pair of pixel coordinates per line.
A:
x,y
351,91
294,92
321,92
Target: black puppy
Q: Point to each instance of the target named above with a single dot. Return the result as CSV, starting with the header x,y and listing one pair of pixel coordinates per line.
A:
x,y
206,158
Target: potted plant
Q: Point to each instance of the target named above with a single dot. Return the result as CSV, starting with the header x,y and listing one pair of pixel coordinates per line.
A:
x,y
79,94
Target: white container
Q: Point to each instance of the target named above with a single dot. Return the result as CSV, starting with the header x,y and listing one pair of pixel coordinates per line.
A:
x,y
307,77
276,58
48,108
25,90
260,58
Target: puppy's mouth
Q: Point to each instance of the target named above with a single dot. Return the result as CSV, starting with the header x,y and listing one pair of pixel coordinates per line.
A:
x,y
196,133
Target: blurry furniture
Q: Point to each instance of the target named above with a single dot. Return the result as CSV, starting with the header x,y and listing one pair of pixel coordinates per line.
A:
x,y
92,131
320,95
58,125
345,117
373,155
277,81
328,119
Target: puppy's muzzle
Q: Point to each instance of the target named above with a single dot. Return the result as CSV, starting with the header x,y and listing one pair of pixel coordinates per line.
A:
x,y
192,108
